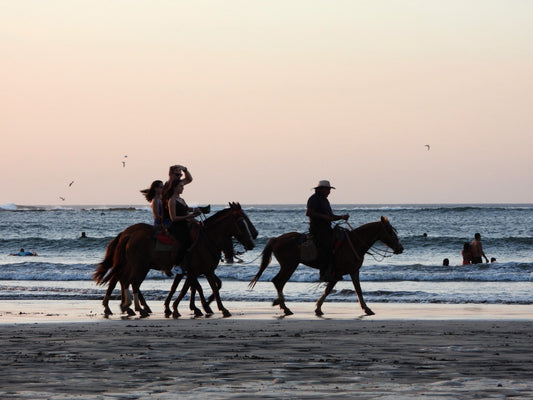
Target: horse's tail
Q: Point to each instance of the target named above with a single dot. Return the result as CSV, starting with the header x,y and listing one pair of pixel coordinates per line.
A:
x,y
102,268
266,257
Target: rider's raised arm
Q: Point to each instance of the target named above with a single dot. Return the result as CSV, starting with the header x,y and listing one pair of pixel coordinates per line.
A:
x,y
188,177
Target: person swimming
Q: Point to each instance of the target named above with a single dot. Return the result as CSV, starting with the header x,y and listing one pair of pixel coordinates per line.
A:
x,y
24,253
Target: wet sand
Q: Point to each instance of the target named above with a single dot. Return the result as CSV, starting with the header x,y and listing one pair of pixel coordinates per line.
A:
x,y
59,350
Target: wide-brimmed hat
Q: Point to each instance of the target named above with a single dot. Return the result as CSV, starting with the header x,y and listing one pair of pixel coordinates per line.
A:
x,y
324,184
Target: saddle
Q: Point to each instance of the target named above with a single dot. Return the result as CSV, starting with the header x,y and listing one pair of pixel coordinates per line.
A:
x,y
308,250
164,240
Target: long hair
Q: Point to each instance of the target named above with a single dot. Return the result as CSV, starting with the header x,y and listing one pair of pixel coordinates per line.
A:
x,y
149,193
169,190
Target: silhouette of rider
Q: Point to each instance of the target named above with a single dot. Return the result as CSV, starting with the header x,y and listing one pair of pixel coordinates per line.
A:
x,y
320,218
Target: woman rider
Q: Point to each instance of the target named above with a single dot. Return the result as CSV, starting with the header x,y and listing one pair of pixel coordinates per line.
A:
x,y
180,216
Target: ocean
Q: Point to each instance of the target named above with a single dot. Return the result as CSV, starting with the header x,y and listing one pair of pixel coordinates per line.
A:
x,y
429,233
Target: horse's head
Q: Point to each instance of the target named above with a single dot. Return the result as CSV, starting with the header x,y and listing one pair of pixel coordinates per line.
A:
x,y
388,236
243,229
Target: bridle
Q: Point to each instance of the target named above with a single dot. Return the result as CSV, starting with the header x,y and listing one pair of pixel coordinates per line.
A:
x,y
373,250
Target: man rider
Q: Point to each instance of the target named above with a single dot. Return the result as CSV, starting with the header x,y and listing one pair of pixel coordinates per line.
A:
x,y
320,218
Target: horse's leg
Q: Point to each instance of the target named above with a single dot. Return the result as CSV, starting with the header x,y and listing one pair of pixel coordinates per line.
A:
x,y
105,301
182,294
357,286
175,283
136,286
144,304
279,281
211,278
126,302
212,297
192,304
205,303
320,301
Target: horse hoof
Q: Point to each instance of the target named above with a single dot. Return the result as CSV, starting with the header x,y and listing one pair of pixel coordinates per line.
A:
x,y
368,311
148,310
208,311
318,312
209,315
130,312
226,314
288,312
198,314
168,314
176,315
144,314
275,303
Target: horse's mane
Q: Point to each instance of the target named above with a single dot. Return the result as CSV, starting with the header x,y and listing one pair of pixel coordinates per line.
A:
x,y
368,224
217,215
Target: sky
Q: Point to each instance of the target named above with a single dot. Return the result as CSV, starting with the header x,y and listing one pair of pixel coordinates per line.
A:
x,y
261,100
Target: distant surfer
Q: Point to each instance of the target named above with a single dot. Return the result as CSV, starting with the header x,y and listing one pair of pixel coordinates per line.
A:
x,y
23,253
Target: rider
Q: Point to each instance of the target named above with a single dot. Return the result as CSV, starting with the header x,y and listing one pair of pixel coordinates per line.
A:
x,y
154,196
180,216
174,173
320,218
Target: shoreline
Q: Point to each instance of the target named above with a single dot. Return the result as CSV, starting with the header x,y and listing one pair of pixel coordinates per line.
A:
x,y
267,358
70,311
67,349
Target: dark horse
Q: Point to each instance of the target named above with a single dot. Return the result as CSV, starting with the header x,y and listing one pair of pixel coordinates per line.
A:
x,y
348,258
207,252
133,253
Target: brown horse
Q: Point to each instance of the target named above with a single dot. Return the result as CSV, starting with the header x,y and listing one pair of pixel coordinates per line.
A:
x,y
207,252
133,253
103,275
348,259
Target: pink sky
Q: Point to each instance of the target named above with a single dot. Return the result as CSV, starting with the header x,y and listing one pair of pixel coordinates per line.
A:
x,y
263,99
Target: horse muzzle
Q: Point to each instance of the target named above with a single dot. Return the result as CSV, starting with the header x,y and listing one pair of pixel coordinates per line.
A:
x,y
398,249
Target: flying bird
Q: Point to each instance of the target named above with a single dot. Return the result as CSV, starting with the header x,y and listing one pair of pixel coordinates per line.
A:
x,y
427,145
123,164
70,184
62,198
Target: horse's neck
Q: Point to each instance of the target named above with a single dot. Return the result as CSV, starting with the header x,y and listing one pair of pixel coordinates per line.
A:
x,y
217,234
364,237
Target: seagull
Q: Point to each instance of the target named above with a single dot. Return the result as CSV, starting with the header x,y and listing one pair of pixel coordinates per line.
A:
x,y
70,184
62,198
427,145
123,164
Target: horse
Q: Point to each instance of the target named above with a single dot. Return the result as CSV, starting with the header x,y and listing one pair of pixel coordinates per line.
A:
x,y
103,275
348,259
207,252
132,253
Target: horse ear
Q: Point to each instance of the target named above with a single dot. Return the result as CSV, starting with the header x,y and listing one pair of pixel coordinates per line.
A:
x,y
238,205
384,219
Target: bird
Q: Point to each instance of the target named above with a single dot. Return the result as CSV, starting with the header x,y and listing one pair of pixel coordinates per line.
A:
x,y
62,198
123,164
427,145
70,184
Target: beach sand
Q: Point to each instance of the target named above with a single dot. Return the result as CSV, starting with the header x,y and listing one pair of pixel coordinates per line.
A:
x,y
64,350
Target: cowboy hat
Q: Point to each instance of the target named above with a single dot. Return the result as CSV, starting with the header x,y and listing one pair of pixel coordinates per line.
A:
x,y
324,184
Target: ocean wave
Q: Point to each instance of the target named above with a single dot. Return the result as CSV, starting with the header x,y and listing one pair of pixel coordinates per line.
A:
x,y
508,272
